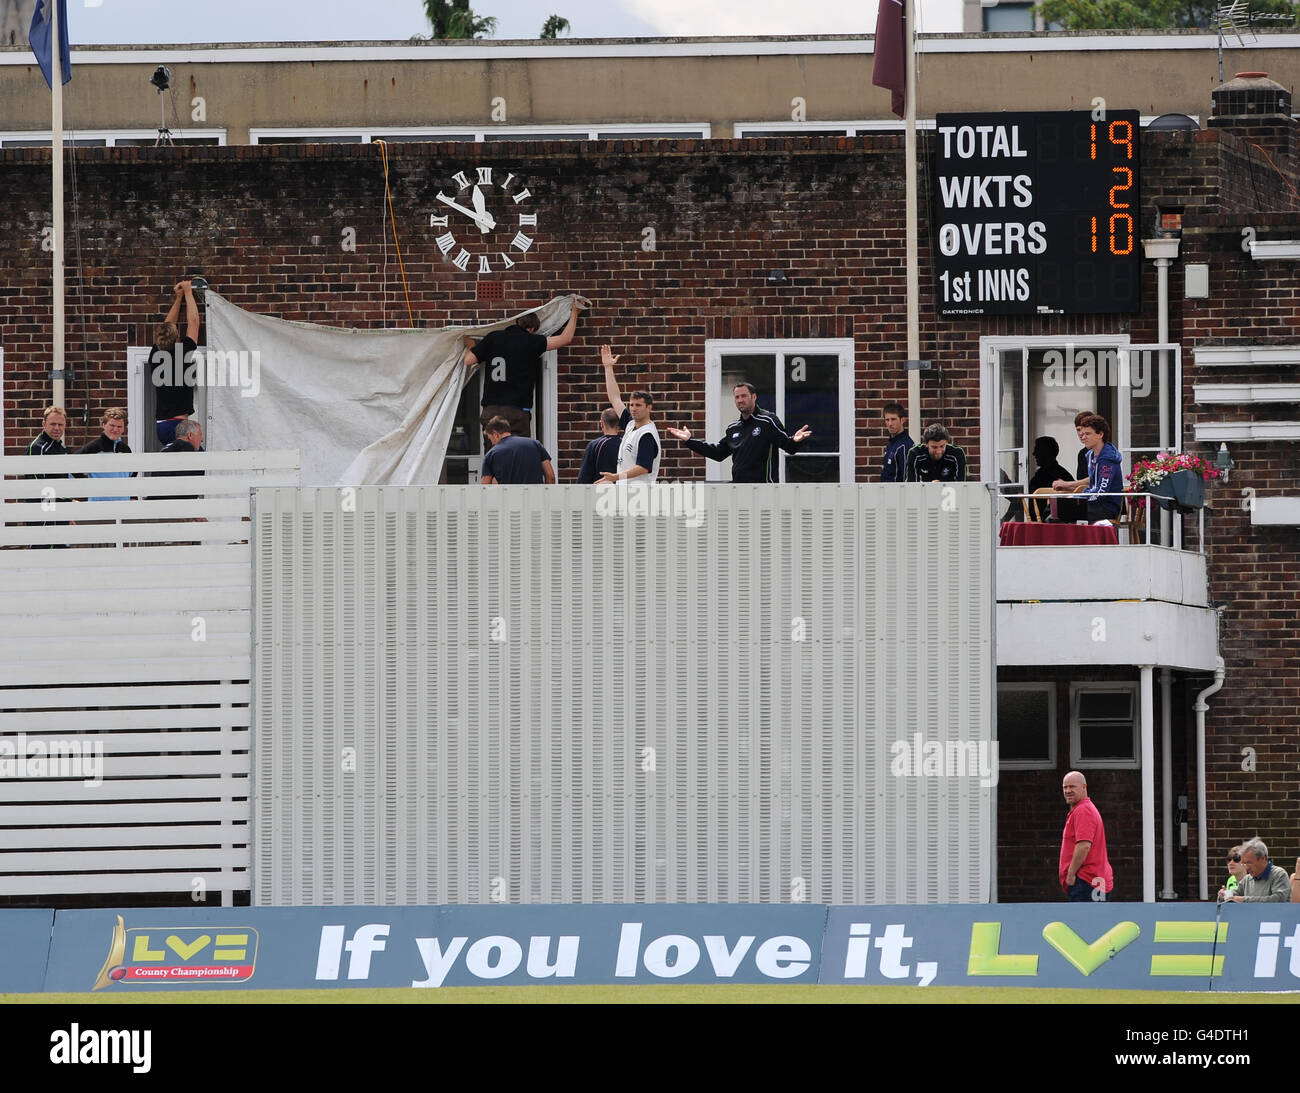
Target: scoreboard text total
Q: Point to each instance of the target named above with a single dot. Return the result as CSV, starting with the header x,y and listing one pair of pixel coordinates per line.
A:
x,y
1037,213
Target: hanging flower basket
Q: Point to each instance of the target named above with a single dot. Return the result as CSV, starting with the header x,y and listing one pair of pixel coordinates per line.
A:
x,y
1177,481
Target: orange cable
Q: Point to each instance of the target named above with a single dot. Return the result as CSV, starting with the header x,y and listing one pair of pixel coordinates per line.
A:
x,y
383,148
1275,167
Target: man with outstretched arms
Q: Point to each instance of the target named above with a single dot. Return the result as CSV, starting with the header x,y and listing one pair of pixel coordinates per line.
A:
x,y
750,440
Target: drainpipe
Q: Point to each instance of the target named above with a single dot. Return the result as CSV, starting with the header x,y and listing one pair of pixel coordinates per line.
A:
x,y
1167,782
1148,786
1200,707
1163,252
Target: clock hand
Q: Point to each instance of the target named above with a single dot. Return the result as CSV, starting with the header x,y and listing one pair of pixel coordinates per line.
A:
x,y
486,223
479,220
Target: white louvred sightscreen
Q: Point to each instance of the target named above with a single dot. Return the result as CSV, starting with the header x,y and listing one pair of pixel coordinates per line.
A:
x,y
526,695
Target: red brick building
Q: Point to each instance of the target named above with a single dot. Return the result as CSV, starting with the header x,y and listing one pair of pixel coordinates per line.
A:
x,y
708,259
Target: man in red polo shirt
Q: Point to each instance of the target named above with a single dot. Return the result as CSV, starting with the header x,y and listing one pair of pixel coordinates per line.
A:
x,y
1085,871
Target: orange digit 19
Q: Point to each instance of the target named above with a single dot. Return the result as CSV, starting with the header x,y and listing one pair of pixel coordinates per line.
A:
x,y
1120,134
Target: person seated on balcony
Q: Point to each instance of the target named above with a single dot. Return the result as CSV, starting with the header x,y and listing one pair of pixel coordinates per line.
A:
x,y
1081,463
1102,499
935,459
1046,451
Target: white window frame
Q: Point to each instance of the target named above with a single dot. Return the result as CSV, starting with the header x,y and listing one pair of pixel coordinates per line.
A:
x,y
137,375
480,133
110,136
990,347
1077,762
717,414
742,129
1034,764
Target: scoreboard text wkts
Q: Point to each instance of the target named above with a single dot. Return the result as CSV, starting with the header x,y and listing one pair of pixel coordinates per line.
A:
x,y
1037,213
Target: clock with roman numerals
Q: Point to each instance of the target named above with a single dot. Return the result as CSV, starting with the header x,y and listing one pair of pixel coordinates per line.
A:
x,y
486,223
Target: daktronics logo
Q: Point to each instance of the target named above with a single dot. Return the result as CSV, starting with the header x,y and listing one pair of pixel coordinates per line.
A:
x,y
161,956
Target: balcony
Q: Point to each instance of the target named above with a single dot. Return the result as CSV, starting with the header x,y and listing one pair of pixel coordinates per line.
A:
x,y
1132,604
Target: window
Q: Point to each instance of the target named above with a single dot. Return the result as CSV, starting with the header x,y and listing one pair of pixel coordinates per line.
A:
x,y
464,461
1033,386
140,402
424,134
1009,17
1027,726
744,129
807,382
1104,725
110,138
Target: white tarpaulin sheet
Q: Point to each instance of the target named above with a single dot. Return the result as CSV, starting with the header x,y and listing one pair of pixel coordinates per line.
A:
x,y
364,407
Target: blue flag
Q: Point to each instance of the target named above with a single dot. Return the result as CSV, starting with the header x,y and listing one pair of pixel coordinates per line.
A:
x,y
39,37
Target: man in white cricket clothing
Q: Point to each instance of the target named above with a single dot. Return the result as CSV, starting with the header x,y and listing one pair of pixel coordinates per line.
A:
x,y
639,453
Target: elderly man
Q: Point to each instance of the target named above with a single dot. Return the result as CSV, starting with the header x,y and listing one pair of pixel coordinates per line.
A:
x,y
1264,882
1085,872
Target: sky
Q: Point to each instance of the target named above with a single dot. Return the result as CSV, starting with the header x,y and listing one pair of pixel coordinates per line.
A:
x,y
143,22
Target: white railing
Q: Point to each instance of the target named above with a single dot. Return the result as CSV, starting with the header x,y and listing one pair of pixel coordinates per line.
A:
x,y
125,672
1124,526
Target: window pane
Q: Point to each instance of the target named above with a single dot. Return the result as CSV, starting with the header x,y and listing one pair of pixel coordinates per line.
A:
x,y
756,368
1009,17
812,398
345,139
1024,722
684,134
812,468
1010,411
1008,470
466,435
1099,740
841,131
1103,705
535,136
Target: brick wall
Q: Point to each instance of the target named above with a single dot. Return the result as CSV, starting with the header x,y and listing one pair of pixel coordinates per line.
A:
x,y
265,224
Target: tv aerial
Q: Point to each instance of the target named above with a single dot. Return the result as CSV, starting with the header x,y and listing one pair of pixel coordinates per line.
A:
x,y
1236,21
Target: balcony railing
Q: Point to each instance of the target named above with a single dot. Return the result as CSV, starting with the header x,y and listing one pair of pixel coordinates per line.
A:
x,y
1133,524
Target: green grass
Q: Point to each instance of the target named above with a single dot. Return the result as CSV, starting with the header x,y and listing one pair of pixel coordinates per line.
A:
x,y
668,993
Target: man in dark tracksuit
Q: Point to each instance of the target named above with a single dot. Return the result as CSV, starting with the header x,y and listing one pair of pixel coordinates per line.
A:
x,y
49,441
898,445
602,453
935,459
749,440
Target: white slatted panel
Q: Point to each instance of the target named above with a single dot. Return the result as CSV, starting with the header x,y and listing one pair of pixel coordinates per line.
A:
x,y
470,695
98,656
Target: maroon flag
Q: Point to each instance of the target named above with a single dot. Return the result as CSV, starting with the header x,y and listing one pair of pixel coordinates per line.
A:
x,y
887,68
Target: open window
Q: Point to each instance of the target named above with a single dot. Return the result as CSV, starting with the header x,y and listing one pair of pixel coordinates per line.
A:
x,y
1032,387
802,381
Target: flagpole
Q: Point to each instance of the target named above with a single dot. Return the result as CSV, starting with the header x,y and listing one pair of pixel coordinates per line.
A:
x,y
56,141
913,273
